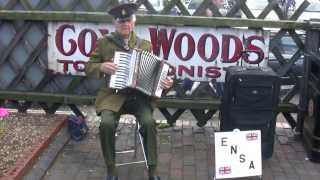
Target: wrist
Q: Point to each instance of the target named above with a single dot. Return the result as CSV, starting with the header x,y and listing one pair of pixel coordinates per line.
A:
x,y
101,68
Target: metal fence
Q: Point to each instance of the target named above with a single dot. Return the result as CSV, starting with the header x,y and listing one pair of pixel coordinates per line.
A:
x,y
24,73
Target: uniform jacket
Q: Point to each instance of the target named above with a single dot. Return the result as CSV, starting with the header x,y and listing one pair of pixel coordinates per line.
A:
x,y
106,98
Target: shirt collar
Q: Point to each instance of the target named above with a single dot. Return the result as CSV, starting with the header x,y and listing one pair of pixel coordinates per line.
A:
x,y
132,39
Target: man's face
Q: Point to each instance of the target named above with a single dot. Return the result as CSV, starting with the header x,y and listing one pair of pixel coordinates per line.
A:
x,y
124,26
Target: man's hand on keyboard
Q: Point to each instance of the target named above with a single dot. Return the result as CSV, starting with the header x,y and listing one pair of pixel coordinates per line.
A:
x,y
108,67
167,82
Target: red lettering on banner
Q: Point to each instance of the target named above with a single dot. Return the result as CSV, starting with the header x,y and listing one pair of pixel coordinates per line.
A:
x,y
213,72
254,49
225,49
160,39
177,46
182,45
189,71
59,40
82,41
76,65
65,64
209,72
200,71
202,47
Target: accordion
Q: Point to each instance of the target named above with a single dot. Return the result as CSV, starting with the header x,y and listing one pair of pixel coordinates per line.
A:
x,y
139,70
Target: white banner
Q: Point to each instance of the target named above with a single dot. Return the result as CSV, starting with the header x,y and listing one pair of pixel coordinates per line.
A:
x,y
198,53
237,154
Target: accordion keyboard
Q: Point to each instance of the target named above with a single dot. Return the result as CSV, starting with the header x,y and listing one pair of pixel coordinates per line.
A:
x,y
120,79
140,70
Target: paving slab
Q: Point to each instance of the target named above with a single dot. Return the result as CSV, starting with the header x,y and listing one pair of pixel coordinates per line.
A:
x,y
186,152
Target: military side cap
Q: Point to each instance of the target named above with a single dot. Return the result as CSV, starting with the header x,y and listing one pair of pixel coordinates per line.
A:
x,y
123,10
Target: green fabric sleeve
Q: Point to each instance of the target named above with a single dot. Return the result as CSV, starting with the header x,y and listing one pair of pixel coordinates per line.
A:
x,y
92,67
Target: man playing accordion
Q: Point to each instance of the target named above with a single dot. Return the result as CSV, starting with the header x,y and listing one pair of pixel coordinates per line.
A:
x,y
110,104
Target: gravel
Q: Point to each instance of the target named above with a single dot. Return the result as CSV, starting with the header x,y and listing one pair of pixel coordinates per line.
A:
x,y
22,132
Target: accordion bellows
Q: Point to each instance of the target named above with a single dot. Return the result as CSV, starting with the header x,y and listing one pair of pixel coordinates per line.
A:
x,y
140,70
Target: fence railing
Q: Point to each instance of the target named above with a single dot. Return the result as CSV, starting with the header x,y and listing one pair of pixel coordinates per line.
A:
x,y
24,73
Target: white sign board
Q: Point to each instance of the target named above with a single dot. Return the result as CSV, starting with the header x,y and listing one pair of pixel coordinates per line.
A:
x,y
237,154
198,53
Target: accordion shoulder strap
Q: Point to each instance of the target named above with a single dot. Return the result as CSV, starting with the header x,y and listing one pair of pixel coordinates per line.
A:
x,y
138,42
117,41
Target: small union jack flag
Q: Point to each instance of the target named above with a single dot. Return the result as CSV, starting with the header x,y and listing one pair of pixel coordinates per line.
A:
x,y
225,170
252,136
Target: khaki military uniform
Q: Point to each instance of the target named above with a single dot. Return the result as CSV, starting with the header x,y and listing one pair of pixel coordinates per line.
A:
x,y
106,98
111,104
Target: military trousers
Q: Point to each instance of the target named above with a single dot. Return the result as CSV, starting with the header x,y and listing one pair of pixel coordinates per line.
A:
x,y
138,105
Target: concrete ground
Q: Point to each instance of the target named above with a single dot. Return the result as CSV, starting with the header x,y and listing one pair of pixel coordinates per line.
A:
x,y
186,152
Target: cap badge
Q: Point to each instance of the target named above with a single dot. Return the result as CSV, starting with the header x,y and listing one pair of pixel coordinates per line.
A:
x,y
123,12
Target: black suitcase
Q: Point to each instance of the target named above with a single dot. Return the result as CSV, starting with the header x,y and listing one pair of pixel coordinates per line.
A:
x,y
311,128
249,102
311,124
